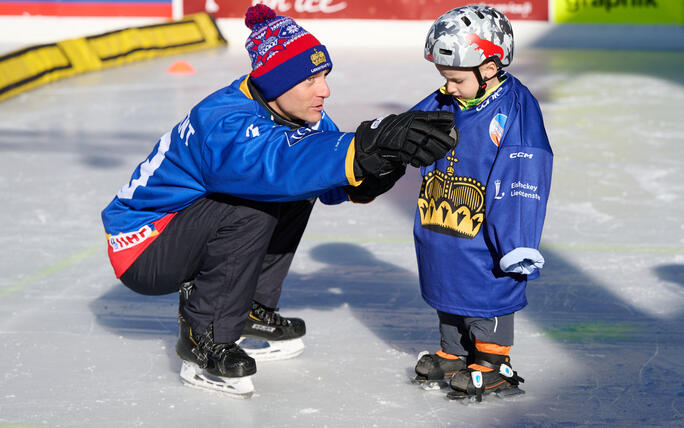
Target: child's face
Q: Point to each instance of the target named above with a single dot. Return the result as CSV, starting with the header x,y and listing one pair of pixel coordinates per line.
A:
x,y
461,82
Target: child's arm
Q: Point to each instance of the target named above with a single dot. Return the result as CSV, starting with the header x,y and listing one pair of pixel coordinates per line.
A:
x,y
517,192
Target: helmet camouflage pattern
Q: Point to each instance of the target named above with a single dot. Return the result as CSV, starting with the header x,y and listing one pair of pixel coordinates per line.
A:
x,y
468,36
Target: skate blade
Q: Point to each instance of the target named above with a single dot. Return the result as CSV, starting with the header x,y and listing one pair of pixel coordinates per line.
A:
x,y
433,385
509,392
236,387
272,350
504,394
429,385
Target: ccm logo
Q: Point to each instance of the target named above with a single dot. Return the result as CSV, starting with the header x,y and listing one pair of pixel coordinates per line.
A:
x,y
521,155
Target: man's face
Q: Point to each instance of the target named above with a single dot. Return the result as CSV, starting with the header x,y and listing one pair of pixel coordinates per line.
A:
x,y
304,101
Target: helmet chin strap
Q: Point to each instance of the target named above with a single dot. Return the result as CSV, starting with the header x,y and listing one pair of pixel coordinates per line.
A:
x,y
482,83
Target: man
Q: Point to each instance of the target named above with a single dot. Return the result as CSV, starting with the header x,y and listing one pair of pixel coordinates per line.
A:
x,y
220,204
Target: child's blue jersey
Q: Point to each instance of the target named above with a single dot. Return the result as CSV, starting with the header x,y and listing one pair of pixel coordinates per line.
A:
x,y
228,144
481,209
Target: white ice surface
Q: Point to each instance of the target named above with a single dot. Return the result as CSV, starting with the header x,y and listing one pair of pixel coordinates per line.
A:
x,y
600,343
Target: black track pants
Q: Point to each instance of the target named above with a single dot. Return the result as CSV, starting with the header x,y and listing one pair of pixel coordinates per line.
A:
x,y
235,250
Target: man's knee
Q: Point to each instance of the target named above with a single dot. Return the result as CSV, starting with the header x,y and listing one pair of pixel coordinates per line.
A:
x,y
148,285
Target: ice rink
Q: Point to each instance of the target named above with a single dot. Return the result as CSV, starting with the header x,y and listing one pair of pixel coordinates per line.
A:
x,y
600,343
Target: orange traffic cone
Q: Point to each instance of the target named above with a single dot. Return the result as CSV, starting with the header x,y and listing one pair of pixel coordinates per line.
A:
x,y
180,68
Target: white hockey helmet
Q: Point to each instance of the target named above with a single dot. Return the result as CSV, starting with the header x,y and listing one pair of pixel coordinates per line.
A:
x,y
468,36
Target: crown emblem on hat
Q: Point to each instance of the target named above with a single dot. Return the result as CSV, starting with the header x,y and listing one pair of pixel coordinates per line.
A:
x,y
318,57
451,205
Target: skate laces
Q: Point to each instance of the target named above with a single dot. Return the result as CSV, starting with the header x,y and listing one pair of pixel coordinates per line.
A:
x,y
218,349
204,344
268,315
206,347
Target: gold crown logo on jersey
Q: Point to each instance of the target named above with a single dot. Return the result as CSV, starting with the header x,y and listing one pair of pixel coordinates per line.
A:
x,y
317,57
451,205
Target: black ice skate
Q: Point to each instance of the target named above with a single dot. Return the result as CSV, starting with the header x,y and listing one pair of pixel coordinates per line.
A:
x,y
434,370
472,384
268,336
222,367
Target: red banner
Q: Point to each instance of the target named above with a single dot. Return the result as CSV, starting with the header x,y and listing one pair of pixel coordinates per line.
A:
x,y
535,10
123,8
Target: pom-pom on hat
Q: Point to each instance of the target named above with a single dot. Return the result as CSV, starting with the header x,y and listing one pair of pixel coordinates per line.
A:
x,y
282,53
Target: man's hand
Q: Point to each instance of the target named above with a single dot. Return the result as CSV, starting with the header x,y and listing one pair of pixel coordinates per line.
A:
x,y
416,137
374,186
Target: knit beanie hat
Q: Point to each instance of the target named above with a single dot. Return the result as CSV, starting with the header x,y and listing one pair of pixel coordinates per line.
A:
x,y
282,53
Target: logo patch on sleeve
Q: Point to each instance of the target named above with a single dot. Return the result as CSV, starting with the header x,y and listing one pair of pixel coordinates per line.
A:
x,y
496,128
294,137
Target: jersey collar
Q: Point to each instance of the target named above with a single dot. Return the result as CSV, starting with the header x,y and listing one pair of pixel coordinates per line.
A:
x,y
467,104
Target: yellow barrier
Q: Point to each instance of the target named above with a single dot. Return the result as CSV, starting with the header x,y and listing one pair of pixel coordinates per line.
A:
x,y
645,12
33,66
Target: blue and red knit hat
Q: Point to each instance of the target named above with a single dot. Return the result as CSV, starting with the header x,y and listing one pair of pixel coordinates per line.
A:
x,y
282,53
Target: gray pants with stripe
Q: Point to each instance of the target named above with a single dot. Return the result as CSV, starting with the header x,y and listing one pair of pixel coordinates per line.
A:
x,y
458,333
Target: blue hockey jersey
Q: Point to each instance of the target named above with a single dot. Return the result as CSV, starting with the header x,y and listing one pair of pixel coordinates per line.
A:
x,y
229,144
481,208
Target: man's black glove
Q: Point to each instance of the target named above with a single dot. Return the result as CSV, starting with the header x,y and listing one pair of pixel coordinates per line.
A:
x,y
416,137
374,186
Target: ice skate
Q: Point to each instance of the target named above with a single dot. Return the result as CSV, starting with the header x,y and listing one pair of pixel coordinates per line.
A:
x,y
434,370
472,384
268,336
220,367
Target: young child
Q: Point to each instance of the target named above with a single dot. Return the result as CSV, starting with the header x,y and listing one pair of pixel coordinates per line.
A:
x,y
481,208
